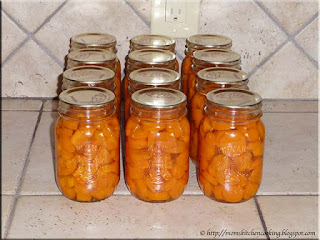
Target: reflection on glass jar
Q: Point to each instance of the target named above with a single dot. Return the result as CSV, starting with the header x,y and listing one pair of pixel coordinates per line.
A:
x,y
209,79
200,42
149,78
157,145
87,144
231,145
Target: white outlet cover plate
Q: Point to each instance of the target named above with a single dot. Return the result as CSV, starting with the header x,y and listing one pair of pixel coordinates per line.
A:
x,y
186,24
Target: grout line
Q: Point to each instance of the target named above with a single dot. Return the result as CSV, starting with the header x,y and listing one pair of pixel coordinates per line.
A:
x,y
19,110
16,22
138,13
50,17
313,61
47,51
306,24
261,218
263,62
16,196
14,51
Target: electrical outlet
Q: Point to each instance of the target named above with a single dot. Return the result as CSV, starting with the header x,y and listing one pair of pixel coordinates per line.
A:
x,y
175,18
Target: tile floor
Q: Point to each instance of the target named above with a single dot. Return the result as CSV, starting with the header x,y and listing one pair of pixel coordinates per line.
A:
x,y
285,206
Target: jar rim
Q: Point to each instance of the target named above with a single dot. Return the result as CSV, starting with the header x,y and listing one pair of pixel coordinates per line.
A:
x,y
217,56
89,74
153,40
154,76
87,97
91,55
234,98
152,56
208,41
80,40
223,75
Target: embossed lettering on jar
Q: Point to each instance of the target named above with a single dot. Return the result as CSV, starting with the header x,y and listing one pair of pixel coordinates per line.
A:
x,y
157,145
231,145
200,42
91,76
150,78
87,144
209,79
96,40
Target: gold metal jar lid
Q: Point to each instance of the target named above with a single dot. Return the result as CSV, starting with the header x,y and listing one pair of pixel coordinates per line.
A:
x,y
87,97
202,41
152,56
234,98
88,74
90,40
152,41
159,98
154,76
217,56
91,55
222,75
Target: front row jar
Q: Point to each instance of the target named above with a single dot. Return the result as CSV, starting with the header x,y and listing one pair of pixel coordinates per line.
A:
x,y
87,144
231,145
157,145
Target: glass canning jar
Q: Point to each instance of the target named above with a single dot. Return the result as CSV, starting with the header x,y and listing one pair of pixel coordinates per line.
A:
x,y
96,40
87,160
210,58
148,41
146,58
231,145
210,79
91,76
157,145
149,78
96,57
200,42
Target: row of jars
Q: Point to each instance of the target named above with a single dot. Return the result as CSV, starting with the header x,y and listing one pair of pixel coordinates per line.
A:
x,y
227,135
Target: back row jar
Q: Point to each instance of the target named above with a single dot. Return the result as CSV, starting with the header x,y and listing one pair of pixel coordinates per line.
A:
x,y
91,76
147,58
96,57
150,78
149,41
96,40
200,42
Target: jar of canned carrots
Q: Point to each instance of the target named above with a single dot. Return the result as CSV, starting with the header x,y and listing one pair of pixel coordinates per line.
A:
x,y
147,58
96,40
209,79
150,78
91,76
157,145
149,41
200,42
210,58
87,144
96,57
231,144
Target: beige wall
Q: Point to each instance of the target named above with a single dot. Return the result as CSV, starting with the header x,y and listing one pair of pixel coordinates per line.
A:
x,y
278,40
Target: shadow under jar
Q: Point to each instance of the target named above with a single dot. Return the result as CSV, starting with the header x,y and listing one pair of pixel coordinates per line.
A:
x,y
210,58
209,79
200,42
231,145
96,40
96,57
149,41
87,144
147,58
157,145
91,76
150,78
